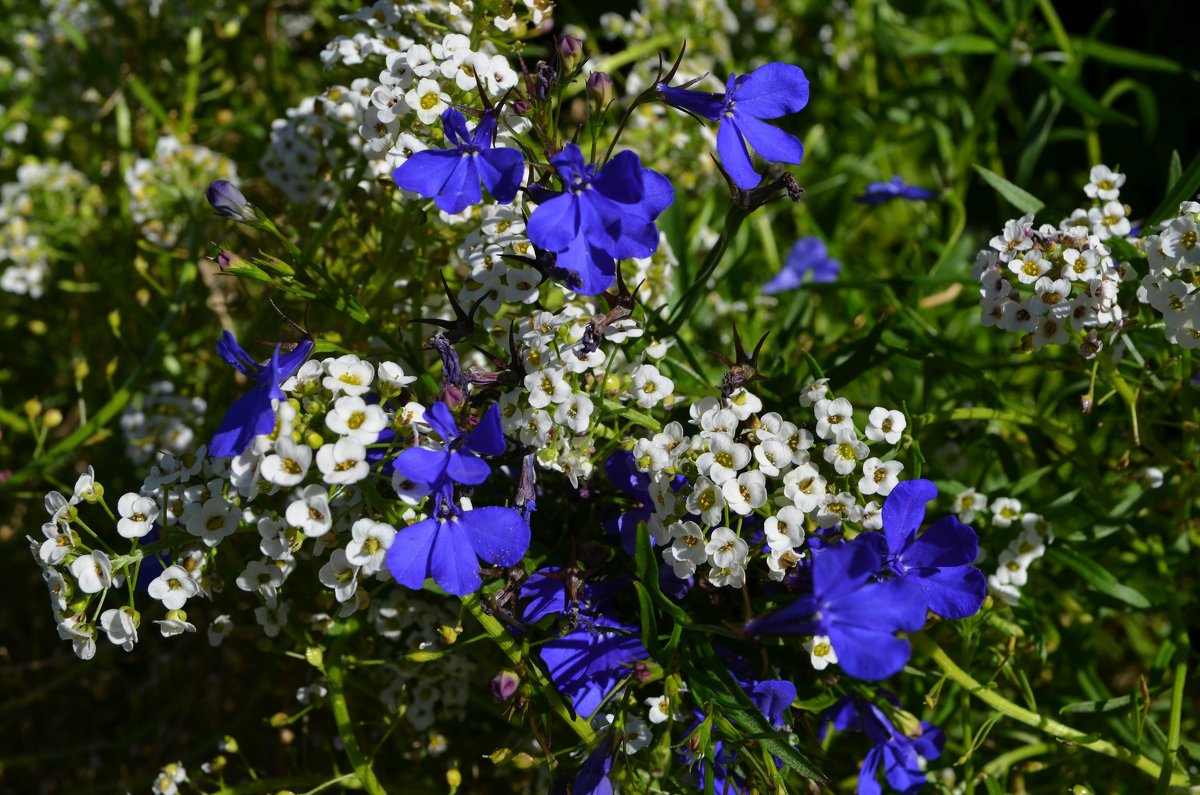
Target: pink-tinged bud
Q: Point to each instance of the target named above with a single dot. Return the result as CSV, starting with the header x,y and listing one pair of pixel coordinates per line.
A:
x,y
226,260
504,685
570,52
452,396
521,107
600,91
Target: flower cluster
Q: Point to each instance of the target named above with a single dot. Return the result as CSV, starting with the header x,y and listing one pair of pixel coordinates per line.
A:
x,y
1172,285
162,188
44,212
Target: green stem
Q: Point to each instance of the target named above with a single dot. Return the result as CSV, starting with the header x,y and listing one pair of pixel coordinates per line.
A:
x,y
335,680
733,221
512,650
1180,670
1007,760
1042,723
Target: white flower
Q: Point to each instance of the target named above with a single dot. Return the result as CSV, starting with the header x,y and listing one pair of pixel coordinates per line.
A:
x,y
427,99
410,493
871,518
138,515
885,425
170,627
1104,183
369,544
687,551
785,530
833,417
706,501
215,520
60,540
392,375
727,577
660,709
649,456
1028,546
746,492
344,461
575,413
724,459
879,477
1004,591
650,387
354,418
773,456
535,427
1109,220
220,628
81,634
272,619
173,587
967,503
288,465
1005,511
636,735
420,60
780,562
814,392
547,386
92,572
310,512
265,578
86,487
498,74
725,549
743,403
348,374
837,509
340,575
821,653
805,487
119,627
846,452
1012,569
1030,267
169,779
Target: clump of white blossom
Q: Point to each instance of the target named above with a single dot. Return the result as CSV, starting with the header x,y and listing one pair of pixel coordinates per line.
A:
x,y
161,188
39,212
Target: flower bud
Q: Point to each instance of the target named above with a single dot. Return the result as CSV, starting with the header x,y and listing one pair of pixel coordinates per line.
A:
x,y
229,202
600,91
226,260
52,418
570,52
453,778
504,685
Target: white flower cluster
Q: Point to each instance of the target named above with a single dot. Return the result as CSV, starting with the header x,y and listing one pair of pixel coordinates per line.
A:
x,y
390,113
1172,286
160,188
1012,567
24,245
1042,282
164,422
743,466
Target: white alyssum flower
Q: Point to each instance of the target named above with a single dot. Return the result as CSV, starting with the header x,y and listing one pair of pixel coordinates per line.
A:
x,y
650,387
343,462
348,375
745,493
733,576
820,651
220,628
272,619
1005,511
265,578
879,477
169,779
340,575
967,503
724,459
725,549
392,375
93,572
369,544
805,487
214,521
575,413
706,501
660,709
687,550
636,735
785,530
814,392
137,513
885,425
846,452
833,417
743,403
353,418
428,100
288,465
173,587
547,386
310,512
118,624
170,626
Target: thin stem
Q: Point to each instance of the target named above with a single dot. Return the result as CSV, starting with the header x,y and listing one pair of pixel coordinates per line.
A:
x,y
335,679
733,221
1042,723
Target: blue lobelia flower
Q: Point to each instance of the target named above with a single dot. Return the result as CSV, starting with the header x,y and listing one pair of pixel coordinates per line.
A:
x,y
900,755
939,560
857,614
459,462
602,215
451,176
252,415
808,255
447,546
896,188
770,91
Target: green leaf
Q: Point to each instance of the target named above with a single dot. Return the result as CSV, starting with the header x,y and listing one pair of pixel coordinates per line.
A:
x,y
1017,197
1123,56
1087,707
816,703
960,44
1181,190
1175,170
1077,97
636,417
1098,577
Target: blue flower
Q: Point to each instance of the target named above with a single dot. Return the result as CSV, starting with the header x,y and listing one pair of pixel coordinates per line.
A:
x,y
858,615
593,776
448,546
252,415
901,756
770,91
896,188
808,255
602,215
451,176
939,560
459,462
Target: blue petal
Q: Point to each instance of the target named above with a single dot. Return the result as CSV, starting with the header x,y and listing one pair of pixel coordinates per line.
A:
x,y
249,416
499,535
867,785
843,569
427,171
467,468
786,279
734,156
452,562
952,592
235,355
771,143
621,178
408,558
904,510
947,542
867,654
546,595
773,697
596,268
880,606
569,163
488,436
704,104
461,189
441,420
501,171
554,225
902,767
657,191
592,778
771,91
422,466
455,127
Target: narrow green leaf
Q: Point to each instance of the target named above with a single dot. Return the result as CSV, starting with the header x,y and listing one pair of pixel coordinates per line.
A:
x,y
1181,190
1175,170
1123,56
1077,97
1088,707
634,416
960,44
1098,577
1017,197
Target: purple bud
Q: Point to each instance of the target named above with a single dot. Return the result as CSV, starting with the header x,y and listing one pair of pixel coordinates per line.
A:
x,y
600,91
570,52
226,260
521,107
504,684
229,202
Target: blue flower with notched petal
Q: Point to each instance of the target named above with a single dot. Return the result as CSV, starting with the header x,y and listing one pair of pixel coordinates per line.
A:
x,y
770,91
808,255
859,615
899,755
252,415
451,176
602,215
896,188
459,462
